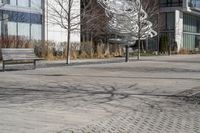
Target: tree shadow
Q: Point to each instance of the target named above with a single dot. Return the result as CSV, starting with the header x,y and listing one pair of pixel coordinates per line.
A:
x,y
62,64
79,95
115,77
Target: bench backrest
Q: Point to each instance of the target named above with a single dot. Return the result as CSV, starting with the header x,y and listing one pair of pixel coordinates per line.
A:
x,y
18,53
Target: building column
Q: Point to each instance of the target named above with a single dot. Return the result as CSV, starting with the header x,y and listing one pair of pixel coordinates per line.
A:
x,y
179,29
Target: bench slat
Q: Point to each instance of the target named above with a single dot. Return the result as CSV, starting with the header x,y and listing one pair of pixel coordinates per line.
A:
x,y
18,55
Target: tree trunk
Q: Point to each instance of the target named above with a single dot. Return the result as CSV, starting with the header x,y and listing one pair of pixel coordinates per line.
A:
x,y
142,45
139,34
68,47
69,32
127,53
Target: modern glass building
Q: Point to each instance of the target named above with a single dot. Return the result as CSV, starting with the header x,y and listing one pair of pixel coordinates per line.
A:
x,y
180,21
21,21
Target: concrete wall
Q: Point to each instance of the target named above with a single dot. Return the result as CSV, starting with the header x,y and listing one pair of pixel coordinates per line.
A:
x,y
179,29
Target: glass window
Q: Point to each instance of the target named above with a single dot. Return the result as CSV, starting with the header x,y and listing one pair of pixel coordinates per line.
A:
x,y
190,23
12,33
13,2
24,17
189,41
36,18
171,3
36,32
23,3
36,4
12,29
170,17
24,30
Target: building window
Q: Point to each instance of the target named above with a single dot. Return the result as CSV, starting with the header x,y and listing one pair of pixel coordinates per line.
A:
x,y
24,31
36,4
167,21
194,3
36,32
191,28
23,3
12,29
170,21
13,2
191,23
21,26
171,3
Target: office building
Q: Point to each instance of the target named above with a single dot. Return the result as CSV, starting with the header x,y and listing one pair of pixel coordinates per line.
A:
x,y
180,20
21,21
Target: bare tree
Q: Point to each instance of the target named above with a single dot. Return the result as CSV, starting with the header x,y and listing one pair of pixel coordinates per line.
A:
x,y
66,14
151,7
95,21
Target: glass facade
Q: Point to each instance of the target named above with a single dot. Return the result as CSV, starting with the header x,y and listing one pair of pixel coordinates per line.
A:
x,y
167,19
191,32
171,3
169,25
36,4
21,25
194,3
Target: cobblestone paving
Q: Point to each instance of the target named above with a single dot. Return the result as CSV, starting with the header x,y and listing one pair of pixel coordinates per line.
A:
x,y
156,95
145,122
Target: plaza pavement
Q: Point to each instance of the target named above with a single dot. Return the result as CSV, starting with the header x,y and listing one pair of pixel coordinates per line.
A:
x,y
154,95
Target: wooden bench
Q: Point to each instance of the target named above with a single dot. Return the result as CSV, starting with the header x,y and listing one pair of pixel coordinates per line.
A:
x,y
18,56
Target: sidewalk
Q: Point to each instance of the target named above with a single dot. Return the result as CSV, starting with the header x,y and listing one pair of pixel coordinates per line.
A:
x,y
155,95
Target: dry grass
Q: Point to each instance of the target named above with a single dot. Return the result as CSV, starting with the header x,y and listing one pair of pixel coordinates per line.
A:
x,y
53,51
184,51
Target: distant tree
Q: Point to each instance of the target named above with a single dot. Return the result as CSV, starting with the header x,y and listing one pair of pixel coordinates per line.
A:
x,y
151,7
66,14
94,22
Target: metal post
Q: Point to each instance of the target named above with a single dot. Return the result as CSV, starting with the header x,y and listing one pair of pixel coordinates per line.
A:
x,y
34,64
127,54
3,66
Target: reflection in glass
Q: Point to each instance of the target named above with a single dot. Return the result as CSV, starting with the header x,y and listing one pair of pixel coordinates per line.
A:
x,y
36,18
36,4
195,3
23,3
13,2
170,21
24,30
36,32
12,29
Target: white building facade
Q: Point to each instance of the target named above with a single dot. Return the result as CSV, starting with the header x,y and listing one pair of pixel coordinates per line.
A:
x,y
55,33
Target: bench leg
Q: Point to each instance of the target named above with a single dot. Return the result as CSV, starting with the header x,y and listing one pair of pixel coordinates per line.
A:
x,y
34,64
3,66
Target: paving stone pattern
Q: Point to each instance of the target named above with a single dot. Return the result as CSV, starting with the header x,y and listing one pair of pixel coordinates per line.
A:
x,y
155,95
145,122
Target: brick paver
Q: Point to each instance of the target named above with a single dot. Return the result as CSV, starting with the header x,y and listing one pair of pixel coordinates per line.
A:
x,y
145,122
155,95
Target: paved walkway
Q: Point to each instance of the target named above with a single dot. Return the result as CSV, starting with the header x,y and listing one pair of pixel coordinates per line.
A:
x,y
155,95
